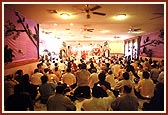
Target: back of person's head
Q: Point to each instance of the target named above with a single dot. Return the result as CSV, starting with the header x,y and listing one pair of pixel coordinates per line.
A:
x,y
60,88
128,68
153,66
72,61
128,62
104,71
50,72
146,59
44,79
56,68
81,60
120,61
18,88
55,64
39,65
79,66
140,66
127,88
19,72
91,65
46,70
36,70
146,74
116,62
94,70
102,76
83,66
69,64
110,72
25,78
126,75
68,69
8,77
97,92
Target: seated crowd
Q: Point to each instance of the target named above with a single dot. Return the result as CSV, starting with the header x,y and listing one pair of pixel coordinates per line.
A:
x,y
105,84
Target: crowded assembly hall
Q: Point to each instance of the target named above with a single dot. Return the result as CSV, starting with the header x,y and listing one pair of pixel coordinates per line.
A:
x,y
45,73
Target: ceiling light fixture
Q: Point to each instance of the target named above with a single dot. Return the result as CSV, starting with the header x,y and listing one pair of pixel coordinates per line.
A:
x,y
64,15
52,11
71,24
104,31
55,24
121,16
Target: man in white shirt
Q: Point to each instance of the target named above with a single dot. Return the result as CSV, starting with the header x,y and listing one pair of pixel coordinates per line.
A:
x,y
115,69
154,73
93,78
59,102
82,80
35,78
98,102
161,76
110,79
126,81
68,77
145,87
127,101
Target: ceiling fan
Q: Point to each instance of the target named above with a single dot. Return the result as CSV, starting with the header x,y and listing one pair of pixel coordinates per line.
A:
x,y
86,29
159,15
132,29
89,10
116,36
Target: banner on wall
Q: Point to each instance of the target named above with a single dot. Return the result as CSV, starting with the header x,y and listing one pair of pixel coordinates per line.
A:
x,y
20,37
152,45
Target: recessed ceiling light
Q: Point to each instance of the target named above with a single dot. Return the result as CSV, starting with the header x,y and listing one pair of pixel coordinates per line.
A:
x,y
64,15
104,31
55,24
71,24
121,16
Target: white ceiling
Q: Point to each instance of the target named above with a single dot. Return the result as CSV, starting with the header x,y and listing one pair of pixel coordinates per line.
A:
x,y
138,15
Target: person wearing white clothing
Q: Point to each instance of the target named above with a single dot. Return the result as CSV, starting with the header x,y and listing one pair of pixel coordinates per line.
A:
x,y
140,71
69,78
110,78
93,78
115,69
52,77
35,78
145,87
127,101
120,85
97,102
154,73
161,77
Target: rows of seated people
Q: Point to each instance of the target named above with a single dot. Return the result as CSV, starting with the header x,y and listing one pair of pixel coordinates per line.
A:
x,y
105,84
